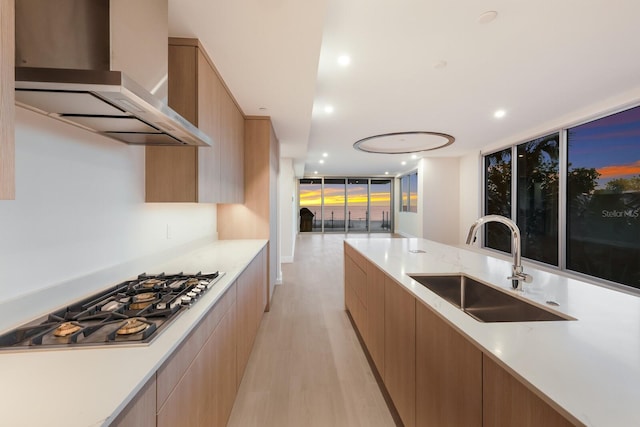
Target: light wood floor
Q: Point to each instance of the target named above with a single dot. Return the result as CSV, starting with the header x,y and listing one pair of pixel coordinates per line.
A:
x,y
307,367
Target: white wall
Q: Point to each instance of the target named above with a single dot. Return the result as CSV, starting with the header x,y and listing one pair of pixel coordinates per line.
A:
x,y
80,209
288,211
470,192
440,199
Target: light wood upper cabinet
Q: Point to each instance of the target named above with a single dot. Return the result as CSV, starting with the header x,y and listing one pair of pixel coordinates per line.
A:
x,y
7,99
448,374
198,174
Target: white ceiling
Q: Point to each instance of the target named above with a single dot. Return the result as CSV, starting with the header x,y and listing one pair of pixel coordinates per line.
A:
x,y
539,60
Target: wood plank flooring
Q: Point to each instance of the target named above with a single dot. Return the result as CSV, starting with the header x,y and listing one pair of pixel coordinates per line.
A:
x,y
307,367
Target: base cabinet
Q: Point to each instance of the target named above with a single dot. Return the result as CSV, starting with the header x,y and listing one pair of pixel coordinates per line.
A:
x,y
204,394
434,375
400,350
375,316
197,385
507,402
141,412
448,374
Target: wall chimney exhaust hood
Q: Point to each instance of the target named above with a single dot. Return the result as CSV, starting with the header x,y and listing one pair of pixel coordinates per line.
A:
x,y
66,51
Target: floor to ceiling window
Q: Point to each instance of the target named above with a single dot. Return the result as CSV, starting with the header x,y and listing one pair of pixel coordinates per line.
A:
x,y
603,198
380,205
334,195
345,205
310,196
598,225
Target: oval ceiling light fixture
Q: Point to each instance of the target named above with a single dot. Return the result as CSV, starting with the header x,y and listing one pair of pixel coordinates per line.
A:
x,y
499,114
321,161
404,142
403,163
328,109
487,17
325,154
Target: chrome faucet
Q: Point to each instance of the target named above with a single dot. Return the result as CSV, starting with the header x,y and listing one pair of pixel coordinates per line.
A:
x,y
517,275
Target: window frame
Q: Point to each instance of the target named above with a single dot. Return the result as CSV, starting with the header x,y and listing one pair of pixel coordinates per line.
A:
x,y
562,197
401,179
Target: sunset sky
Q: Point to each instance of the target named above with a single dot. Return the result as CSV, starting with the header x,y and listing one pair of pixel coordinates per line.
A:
x,y
611,145
310,195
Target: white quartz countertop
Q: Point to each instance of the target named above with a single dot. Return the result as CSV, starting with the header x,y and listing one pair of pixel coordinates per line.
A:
x,y
90,386
590,367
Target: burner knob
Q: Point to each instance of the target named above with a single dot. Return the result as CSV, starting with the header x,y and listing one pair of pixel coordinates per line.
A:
x,y
196,290
186,300
201,287
192,294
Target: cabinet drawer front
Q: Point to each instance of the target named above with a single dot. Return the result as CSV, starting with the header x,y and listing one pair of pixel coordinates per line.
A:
x,y
173,369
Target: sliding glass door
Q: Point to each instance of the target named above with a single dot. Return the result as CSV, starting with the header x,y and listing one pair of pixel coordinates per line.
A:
x,y
345,205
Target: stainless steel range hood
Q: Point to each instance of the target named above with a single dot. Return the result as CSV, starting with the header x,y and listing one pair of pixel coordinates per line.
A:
x,y
66,51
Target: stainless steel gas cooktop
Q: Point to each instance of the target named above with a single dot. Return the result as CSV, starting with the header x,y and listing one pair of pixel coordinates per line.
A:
x,y
135,311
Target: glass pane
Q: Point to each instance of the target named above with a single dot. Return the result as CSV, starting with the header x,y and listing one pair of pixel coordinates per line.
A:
x,y
498,198
537,198
334,205
357,210
380,205
310,205
413,192
404,188
603,198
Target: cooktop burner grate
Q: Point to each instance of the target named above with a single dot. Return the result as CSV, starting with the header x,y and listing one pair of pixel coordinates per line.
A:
x,y
134,311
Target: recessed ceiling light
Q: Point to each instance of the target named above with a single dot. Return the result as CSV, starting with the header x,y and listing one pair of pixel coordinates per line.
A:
x,y
344,60
403,163
315,172
414,156
328,109
386,173
321,161
487,17
440,65
325,154
499,114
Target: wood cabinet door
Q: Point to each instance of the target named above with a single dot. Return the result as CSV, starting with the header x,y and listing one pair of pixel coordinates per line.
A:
x,y
375,316
209,92
7,100
448,374
246,319
356,281
400,350
507,402
224,371
141,412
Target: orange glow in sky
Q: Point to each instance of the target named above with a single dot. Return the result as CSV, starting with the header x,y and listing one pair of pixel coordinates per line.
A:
x,y
336,197
615,171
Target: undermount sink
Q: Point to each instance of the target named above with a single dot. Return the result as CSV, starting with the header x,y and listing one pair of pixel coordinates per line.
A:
x,y
483,302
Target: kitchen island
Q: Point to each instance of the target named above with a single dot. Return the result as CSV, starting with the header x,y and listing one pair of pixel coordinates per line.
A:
x,y
582,372
95,386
